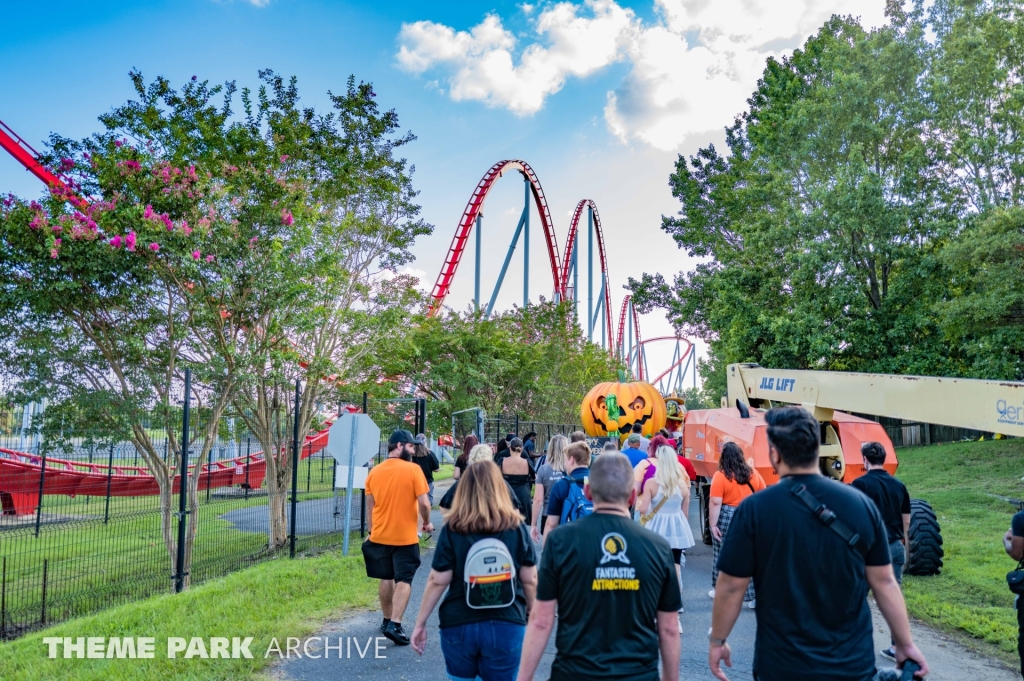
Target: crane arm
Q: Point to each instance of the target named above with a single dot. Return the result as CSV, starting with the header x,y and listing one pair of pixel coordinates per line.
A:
x,y
991,406
29,157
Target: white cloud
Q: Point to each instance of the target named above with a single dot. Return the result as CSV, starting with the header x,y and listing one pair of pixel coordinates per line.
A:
x,y
482,66
691,70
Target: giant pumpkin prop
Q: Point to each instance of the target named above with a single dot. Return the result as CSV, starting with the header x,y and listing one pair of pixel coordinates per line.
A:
x,y
611,409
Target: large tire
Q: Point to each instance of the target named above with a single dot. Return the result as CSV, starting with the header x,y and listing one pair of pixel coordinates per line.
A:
x,y
925,541
704,495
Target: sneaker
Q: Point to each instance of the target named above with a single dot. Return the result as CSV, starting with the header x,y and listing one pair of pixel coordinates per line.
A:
x,y
752,604
395,633
889,653
680,621
384,625
711,594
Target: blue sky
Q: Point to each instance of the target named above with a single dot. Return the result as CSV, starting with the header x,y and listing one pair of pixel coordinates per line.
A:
x,y
598,96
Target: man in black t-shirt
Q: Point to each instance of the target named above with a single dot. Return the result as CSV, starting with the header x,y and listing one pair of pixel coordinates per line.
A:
x,y
893,503
614,584
1013,542
813,619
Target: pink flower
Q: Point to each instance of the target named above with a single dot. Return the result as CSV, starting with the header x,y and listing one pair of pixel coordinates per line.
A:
x,y
154,247
57,241
185,228
148,213
116,242
118,143
253,240
67,163
286,217
53,252
195,255
167,221
284,157
130,241
209,258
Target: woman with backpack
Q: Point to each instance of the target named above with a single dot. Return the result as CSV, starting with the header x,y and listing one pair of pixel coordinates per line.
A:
x,y
483,613
733,482
518,473
665,506
550,471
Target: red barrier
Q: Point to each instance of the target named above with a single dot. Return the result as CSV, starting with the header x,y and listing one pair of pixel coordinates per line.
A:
x,y
20,475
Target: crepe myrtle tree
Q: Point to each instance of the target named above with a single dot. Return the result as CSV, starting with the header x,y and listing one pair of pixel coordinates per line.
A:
x,y
327,291
103,303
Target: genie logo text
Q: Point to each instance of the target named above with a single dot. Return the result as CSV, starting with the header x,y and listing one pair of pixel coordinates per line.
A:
x,y
1009,413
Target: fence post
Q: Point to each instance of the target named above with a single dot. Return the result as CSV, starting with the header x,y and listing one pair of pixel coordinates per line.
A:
x,y
3,601
362,493
309,463
42,479
209,469
248,460
110,472
517,426
179,577
295,468
42,612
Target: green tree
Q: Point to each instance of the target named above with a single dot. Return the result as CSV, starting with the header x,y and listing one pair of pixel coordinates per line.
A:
x,y
532,361
327,290
820,227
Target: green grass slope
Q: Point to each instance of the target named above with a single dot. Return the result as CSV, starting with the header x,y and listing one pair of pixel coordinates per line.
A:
x,y
959,480
279,598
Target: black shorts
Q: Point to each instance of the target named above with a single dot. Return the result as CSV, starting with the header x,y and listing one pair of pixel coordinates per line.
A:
x,y
677,554
384,561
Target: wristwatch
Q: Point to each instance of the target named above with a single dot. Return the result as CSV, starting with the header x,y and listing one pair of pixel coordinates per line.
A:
x,y
716,641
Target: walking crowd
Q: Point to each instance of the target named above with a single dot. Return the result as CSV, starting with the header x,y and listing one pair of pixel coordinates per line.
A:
x,y
593,549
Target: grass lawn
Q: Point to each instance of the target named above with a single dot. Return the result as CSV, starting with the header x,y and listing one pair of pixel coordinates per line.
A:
x,y
278,598
445,472
93,565
970,596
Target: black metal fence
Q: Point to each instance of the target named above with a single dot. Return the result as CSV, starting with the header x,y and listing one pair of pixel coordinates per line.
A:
x,y
67,555
905,433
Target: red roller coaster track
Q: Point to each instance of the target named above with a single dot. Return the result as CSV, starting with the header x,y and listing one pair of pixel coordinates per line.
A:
x,y
570,242
475,207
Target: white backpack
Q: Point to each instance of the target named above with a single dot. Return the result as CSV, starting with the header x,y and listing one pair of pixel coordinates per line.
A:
x,y
490,575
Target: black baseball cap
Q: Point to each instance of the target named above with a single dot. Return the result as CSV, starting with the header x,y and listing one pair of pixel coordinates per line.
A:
x,y
400,436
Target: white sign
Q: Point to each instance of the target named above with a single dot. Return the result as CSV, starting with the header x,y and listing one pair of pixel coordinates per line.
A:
x,y
340,443
358,478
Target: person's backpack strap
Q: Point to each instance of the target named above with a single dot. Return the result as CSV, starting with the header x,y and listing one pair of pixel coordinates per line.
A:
x,y
752,490
829,519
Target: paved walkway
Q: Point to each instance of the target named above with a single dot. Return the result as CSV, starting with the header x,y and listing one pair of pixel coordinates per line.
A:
x,y
949,660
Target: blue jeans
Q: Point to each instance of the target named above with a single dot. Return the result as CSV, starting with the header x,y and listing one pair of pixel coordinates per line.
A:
x,y
488,650
899,559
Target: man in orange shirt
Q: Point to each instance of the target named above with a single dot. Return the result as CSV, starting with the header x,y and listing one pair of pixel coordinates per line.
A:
x,y
394,490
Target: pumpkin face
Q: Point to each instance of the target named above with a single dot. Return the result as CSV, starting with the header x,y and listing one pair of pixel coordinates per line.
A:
x,y
637,402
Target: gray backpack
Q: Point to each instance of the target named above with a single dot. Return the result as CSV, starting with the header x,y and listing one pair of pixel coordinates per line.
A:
x,y
489,574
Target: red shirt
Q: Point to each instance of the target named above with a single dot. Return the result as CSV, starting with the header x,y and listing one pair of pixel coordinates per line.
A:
x,y
688,466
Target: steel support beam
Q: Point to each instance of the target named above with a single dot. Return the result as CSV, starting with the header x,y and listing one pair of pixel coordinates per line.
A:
x,y
590,272
526,243
504,267
476,281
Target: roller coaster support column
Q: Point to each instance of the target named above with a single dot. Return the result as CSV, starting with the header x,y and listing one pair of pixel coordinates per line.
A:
x,y
526,242
597,314
590,273
576,276
476,280
508,259
629,327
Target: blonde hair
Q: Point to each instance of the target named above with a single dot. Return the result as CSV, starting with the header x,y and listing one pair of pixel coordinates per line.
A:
x,y
670,474
482,502
556,452
480,453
